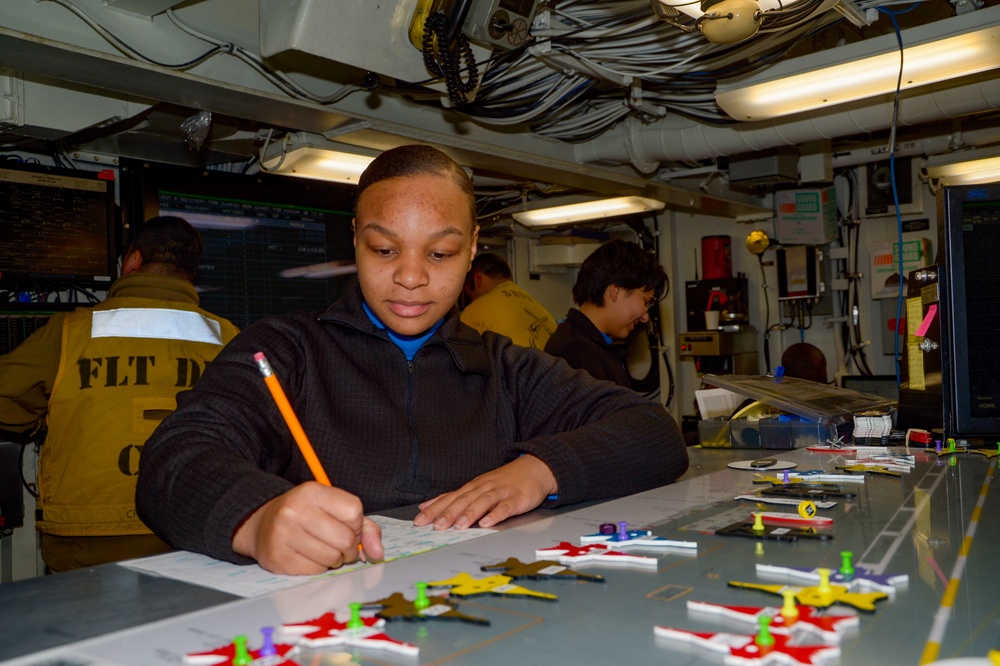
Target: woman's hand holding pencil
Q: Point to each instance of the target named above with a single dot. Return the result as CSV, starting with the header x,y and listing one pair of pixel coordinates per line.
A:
x,y
308,530
312,527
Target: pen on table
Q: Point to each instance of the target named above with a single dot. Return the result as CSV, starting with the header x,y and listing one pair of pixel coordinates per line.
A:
x,y
285,407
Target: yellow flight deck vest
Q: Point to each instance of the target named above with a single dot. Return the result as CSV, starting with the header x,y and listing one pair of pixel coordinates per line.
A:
x,y
119,372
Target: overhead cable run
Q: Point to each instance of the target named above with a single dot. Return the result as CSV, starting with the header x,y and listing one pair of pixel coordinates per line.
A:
x,y
590,64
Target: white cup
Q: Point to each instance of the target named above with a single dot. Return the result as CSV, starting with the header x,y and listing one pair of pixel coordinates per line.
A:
x,y
711,320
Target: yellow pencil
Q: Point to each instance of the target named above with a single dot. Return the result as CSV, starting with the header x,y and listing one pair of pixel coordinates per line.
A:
x,y
291,419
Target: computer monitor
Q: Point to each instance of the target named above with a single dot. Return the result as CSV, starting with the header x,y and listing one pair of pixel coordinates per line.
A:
x,y
57,226
272,244
969,221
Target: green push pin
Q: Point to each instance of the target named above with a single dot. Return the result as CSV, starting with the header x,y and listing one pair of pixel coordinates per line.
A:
x,y
241,656
764,639
355,622
951,443
421,602
846,568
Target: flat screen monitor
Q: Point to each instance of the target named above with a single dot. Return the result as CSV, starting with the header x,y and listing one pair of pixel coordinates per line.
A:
x,y
970,225
56,226
272,244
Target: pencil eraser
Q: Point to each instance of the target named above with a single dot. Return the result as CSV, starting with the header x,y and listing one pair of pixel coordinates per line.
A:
x,y
259,356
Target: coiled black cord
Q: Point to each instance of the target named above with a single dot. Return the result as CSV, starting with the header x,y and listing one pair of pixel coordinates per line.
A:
x,y
446,60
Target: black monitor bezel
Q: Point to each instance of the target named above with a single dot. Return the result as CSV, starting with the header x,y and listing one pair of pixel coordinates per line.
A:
x,y
956,351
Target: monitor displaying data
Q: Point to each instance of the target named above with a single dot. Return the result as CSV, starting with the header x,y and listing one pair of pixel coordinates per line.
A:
x,y
271,244
56,225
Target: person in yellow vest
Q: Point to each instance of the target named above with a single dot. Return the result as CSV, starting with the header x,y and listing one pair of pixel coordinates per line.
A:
x,y
100,379
495,303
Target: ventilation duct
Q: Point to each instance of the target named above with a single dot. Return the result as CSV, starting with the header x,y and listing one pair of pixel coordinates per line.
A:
x,y
679,139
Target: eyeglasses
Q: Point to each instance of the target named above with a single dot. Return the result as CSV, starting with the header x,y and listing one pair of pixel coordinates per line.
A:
x,y
649,299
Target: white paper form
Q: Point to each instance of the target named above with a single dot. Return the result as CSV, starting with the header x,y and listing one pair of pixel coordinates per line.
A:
x,y
400,538
716,402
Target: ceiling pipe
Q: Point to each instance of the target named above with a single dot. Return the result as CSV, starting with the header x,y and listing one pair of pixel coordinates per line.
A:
x,y
937,144
676,138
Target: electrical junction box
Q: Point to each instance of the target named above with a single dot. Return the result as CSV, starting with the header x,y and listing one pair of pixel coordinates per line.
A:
x,y
370,36
805,216
778,166
799,273
885,264
500,23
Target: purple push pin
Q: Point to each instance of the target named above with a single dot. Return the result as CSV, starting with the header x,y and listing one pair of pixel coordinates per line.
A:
x,y
268,649
784,477
937,445
622,532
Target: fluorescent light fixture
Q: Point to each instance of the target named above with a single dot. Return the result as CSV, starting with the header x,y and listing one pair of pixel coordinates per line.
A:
x,y
969,167
587,210
966,44
693,7
310,156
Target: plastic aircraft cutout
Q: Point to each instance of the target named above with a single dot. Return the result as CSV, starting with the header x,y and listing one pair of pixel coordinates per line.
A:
x,y
327,631
238,654
596,553
619,536
865,468
855,579
464,585
806,621
515,568
746,651
822,595
422,608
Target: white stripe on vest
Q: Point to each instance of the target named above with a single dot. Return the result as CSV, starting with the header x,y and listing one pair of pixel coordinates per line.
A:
x,y
157,323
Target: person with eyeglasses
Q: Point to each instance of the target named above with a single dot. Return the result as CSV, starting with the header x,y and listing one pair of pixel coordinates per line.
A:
x,y
614,291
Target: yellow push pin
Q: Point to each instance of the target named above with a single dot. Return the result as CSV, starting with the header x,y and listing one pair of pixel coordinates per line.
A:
x,y
789,609
758,522
807,509
824,581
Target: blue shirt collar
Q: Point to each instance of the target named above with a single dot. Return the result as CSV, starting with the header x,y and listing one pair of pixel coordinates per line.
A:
x,y
408,343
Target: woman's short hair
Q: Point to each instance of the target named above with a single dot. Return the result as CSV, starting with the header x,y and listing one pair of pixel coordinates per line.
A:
x,y
416,160
622,263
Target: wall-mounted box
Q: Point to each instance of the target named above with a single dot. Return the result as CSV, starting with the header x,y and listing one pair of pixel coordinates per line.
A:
x,y
805,216
885,264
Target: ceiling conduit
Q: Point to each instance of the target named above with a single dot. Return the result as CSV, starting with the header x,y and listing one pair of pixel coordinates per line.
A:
x,y
926,144
679,139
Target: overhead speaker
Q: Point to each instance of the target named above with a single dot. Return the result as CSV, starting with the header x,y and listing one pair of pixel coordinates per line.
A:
x,y
876,192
